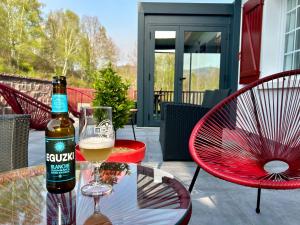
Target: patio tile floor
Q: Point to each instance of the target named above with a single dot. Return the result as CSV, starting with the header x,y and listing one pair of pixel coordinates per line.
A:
x,y
215,202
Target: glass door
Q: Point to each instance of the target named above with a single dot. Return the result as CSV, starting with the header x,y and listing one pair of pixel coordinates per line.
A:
x,y
184,62
162,69
203,62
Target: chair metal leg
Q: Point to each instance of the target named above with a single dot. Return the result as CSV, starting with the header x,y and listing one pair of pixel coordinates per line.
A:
x,y
194,179
258,201
132,125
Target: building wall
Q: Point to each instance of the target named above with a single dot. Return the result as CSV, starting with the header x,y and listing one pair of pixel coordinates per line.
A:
x,y
272,46
36,88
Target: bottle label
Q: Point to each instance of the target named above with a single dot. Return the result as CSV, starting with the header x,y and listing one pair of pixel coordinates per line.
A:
x,y
60,159
59,103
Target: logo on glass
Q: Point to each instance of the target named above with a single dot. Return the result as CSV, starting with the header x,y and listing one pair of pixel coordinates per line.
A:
x,y
105,129
59,146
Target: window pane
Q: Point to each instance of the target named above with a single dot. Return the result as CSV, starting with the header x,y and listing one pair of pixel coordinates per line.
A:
x,y
290,21
164,69
291,4
288,62
164,55
289,42
297,60
298,40
201,64
298,17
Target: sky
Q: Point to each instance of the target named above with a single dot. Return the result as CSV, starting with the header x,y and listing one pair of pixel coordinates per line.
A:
x,y
119,17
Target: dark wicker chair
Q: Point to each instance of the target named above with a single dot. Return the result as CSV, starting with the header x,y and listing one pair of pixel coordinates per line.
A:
x,y
14,133
252,138
178,120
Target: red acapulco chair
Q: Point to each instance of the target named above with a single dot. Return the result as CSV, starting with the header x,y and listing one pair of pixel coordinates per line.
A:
x,y
24,104
40,113
244,136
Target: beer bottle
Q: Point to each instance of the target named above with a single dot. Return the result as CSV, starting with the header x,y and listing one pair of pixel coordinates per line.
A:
x,y
60,142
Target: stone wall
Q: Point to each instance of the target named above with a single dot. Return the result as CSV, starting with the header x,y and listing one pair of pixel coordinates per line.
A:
x,y
37,88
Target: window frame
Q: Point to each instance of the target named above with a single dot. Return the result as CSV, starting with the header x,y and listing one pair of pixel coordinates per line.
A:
x,y
294,30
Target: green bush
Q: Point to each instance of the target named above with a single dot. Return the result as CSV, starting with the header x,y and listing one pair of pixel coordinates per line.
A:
x,y
112,91
25,66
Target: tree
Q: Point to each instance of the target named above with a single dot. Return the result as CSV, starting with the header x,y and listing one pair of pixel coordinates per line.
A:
x,y
132,56
90,29
101,47
110,49
61,43
20,30
62,38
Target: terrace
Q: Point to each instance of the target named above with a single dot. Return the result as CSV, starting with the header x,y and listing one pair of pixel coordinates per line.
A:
x,y
180,63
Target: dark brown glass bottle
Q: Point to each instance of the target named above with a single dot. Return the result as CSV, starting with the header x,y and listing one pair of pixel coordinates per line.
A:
x,y
60,142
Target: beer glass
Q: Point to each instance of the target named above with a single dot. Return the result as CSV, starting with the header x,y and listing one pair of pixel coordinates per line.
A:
x,y
97,138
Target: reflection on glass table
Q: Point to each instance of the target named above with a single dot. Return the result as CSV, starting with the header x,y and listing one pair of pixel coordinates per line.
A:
x,y
140,195
61,208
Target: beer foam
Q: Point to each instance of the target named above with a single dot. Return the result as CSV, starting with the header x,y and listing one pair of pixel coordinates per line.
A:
x,y
96,143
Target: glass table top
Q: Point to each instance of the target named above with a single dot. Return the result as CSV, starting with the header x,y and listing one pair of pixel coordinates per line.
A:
x,y
141,195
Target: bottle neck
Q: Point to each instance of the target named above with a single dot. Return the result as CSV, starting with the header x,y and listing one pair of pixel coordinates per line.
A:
x,y
59,101
59,115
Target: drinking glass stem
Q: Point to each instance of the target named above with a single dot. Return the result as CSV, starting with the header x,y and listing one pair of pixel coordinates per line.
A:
x,y
97,173
97,204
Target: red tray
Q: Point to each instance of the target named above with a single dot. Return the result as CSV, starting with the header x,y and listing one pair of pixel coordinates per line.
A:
x,y
135,156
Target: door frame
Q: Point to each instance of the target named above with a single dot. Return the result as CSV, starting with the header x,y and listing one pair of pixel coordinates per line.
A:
x,y
145,10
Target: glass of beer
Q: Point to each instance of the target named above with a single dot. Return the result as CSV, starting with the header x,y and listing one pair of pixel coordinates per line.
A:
x,y
97,138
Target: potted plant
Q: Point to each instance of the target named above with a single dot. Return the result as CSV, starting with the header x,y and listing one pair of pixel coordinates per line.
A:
x,y
111,90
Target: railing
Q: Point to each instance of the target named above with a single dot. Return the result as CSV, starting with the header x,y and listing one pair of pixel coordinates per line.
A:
x,y
78,97
193,97
164,96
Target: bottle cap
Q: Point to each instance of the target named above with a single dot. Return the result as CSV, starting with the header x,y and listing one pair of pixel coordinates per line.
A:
x,y
59,80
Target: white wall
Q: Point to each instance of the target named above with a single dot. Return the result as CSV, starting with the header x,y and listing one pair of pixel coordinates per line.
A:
x,y
272,46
